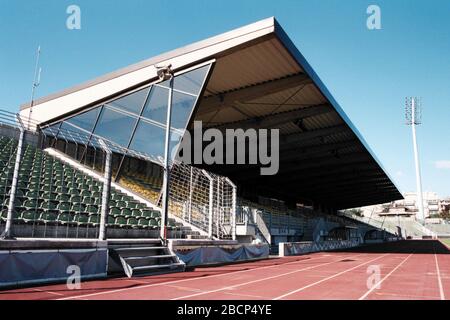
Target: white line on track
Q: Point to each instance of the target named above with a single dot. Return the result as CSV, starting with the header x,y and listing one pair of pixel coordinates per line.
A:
x,y
258,280
49,292
327,278
441,288
377,285
192,279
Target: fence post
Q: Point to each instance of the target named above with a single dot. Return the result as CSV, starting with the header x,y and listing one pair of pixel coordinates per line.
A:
x,y
218,208
233,209
106,192
7,234
211,203
191,190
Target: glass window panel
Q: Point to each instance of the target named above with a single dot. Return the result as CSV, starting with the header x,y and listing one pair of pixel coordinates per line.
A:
x,y
182,105
85,120
156,108
115,127
175,138
52,130
132,102
191,81
149,139
72,133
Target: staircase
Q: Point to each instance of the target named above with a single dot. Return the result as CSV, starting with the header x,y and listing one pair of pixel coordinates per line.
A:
x,y
145,258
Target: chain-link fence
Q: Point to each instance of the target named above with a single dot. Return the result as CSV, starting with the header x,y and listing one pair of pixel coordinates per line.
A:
x,y
203,199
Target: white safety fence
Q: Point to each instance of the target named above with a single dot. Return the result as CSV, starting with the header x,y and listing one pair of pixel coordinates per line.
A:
x,y
203,199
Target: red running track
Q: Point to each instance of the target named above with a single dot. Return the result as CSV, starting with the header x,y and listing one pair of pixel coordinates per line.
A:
x,y
402,270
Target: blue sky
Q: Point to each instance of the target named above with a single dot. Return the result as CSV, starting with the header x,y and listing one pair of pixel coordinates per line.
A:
x,y
369,72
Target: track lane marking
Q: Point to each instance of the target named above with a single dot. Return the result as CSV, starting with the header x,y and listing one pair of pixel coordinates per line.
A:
x,y
327,278
385,277
441,288
192,279
258,280
49,292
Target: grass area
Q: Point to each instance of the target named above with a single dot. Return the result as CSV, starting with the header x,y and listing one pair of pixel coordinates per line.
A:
x,y
446,241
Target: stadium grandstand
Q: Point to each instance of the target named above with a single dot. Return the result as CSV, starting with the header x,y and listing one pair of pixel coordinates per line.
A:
x,y
90,173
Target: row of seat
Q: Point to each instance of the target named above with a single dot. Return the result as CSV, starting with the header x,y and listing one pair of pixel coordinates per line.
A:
x,y
83,219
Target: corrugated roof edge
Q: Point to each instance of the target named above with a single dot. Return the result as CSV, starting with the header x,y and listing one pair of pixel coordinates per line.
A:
x,y
298,56
250,28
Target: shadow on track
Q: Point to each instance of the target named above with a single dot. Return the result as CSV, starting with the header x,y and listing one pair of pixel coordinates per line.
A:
x,y
404,246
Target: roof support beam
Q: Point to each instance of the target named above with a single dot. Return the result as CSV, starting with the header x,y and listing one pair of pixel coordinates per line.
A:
x,y
355,186
299,153
253,171
278,119
292,139
334,180
354,191
227,100
355,169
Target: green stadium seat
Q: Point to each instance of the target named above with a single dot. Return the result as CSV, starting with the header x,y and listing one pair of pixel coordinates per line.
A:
x,y
121,204
81,219
49,217
76,199
49,195
156,214
61,197
78,207
34,194
85,193
31,204
94,219
127,213
49,205
136,213
154,223
115,212
121,222
64,206
132,222
88,200
143,223
147,214
74,192
66,218
111,221
91,209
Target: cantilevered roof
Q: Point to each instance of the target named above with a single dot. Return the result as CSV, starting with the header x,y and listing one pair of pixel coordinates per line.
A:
x,y
259,80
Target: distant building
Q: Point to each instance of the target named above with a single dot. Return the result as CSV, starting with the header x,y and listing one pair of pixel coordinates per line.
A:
x,y
409,207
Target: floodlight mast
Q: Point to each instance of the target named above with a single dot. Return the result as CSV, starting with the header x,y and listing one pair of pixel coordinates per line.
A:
x,y
413,118
166,73
36,83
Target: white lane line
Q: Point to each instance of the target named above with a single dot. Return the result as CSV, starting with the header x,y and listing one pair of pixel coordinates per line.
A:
x,y
327,278
49,292
258,280
441,288
377,285
189,279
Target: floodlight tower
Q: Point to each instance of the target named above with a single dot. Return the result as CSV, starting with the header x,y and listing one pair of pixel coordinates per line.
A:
x,y
36,83
413,118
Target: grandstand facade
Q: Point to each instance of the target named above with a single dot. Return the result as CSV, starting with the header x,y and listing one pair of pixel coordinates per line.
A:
x,y
61,185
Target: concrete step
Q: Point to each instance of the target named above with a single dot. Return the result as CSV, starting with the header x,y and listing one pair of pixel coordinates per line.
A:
x,y
147,260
